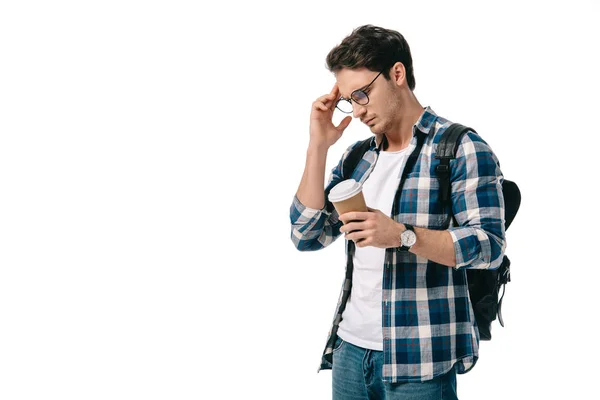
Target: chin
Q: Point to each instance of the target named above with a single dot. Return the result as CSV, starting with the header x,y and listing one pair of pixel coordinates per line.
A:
x,y
375,129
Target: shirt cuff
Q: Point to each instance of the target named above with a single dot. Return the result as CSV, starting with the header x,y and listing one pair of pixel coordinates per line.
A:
x,y
469,246
306,213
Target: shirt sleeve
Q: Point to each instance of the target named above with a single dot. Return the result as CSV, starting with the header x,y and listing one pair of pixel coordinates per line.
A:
x,y
314,229
478,205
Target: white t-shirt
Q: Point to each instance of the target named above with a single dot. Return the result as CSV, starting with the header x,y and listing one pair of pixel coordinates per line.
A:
x,y
361,322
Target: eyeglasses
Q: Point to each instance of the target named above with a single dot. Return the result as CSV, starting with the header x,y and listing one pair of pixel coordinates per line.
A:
x,y
359,96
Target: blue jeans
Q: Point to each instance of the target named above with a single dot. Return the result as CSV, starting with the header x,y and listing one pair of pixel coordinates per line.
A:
x,y
356,375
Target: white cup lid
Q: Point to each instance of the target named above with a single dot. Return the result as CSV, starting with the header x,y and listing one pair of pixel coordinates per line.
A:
x,y
344,190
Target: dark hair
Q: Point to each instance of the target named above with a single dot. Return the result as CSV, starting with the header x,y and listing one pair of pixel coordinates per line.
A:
x,y
374,48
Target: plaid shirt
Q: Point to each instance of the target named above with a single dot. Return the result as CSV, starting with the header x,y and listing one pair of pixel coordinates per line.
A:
x,y
428,320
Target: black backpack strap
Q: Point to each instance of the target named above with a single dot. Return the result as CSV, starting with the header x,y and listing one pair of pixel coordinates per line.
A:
x,y
446,151
503,279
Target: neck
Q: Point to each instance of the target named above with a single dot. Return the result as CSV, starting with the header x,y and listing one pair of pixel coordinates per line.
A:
x,y
401,132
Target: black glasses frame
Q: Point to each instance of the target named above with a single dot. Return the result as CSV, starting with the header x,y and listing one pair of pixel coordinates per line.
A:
x,y
353,99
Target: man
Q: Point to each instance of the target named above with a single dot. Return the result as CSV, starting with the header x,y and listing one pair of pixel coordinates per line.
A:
x,y
404,325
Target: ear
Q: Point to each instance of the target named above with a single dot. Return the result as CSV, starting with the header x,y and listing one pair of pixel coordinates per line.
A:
x,y
398,73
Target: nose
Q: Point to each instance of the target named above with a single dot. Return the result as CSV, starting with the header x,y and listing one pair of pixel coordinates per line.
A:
x,y
358,111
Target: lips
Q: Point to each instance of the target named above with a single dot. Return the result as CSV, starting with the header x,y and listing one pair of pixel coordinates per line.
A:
x,y
367,122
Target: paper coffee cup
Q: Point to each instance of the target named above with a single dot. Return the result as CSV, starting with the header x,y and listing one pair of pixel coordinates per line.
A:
x,y
348,196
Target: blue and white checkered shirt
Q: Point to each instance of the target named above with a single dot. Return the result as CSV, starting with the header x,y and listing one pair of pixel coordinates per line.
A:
x,y
428,320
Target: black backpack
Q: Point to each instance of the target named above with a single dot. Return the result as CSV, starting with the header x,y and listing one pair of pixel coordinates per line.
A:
x,y
485,284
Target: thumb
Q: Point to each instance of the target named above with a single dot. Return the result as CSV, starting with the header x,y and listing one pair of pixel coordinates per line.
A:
x,y
344,124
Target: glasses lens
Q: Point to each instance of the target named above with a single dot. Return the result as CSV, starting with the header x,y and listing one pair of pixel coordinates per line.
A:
x,y
360,97
344,106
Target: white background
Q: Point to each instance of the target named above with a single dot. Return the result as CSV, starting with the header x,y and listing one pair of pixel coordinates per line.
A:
x,y
150,151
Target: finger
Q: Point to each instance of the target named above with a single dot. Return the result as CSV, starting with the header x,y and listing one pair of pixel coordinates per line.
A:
x,y
333,104
342,217
354,216
335,89
327,97
346,217
364,234
317,105
355,235
344,124
349,227
329,100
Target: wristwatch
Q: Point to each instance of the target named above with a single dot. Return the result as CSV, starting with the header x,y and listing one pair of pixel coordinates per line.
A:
x,y
407,238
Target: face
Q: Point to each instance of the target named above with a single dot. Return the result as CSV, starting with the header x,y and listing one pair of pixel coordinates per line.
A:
x,y
383,106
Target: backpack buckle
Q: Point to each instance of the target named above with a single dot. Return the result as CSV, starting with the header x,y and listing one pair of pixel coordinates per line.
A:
x,y
442,168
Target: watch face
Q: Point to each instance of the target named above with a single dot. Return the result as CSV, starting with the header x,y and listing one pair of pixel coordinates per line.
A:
x,y
408,238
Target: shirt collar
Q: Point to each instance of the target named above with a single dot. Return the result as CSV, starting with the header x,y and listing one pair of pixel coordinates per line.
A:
x,y
423,124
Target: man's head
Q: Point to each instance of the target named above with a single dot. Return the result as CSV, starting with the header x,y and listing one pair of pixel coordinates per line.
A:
x,y
375,62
